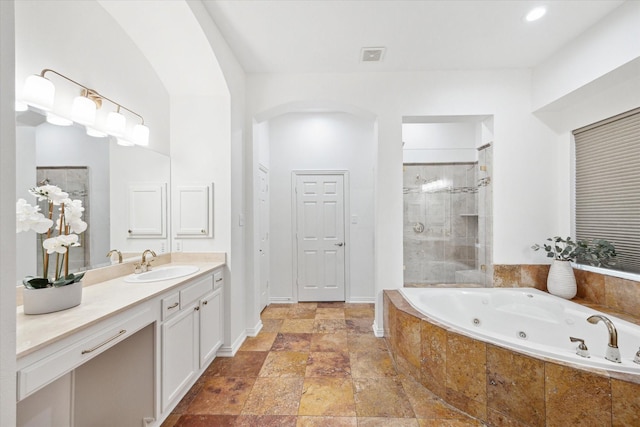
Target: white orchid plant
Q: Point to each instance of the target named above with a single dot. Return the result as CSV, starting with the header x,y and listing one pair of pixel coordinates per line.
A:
x,y
61,234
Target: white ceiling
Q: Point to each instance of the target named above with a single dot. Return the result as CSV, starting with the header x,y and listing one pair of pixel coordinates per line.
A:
x,y
323,36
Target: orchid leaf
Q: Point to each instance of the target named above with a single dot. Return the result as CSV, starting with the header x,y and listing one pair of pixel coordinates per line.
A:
x,y
35,282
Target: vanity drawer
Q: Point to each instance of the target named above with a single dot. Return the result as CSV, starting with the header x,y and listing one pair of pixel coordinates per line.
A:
x,y
170,305
195,291
218,279
35,376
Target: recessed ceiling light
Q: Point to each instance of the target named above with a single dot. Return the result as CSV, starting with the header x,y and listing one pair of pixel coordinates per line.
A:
x,y
535,14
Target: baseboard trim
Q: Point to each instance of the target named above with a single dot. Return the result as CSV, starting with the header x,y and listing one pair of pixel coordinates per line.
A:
x,y
252,332
281,300
362,300
230,351
377,331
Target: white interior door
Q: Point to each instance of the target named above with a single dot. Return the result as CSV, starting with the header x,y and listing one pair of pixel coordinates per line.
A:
x,y
263,233
320,237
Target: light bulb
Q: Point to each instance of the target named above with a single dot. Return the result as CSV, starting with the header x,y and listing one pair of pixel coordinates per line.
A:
x,y
21,106
91,131
57,120
125,142
38,92
140,135
116,123
83,110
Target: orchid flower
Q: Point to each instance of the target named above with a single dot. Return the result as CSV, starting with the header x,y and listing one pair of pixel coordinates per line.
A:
x,y
60,243
49,192
29,218
68,223
72,216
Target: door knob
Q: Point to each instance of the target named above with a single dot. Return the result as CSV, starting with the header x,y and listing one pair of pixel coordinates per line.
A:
x,y
339,244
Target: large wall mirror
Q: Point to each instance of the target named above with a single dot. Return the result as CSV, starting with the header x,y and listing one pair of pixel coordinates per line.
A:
x,y
101,174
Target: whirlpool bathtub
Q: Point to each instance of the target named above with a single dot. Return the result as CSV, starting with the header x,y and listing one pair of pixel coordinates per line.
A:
x,y
529,321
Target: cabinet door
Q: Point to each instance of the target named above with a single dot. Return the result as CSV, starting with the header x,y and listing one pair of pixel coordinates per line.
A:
x,y
147,207
194,211
179,353
210,326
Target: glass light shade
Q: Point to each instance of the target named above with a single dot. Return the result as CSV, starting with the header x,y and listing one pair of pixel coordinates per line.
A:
x,y
95,132
116,124
83,110
21,106
57,120
38,92
125,142
140,135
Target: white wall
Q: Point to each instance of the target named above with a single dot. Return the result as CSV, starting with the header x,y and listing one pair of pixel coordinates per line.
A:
x,y
135,165
603,48
95,52
439,142
321,141
7,218
525,150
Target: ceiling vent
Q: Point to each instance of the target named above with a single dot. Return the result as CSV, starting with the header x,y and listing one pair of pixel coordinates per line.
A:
x,y
372,54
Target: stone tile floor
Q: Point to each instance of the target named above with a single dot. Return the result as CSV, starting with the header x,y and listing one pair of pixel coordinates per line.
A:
x,y
313,364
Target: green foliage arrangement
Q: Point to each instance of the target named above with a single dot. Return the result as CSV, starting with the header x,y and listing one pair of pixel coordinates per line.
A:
x,y
597,252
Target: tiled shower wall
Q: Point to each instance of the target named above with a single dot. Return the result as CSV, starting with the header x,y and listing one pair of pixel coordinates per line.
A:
x,y
440,225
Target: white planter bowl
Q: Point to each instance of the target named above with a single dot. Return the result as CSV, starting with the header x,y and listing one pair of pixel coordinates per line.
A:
x,y
49,300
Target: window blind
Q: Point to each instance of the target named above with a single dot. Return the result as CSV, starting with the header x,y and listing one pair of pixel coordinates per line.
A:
x,y
608,185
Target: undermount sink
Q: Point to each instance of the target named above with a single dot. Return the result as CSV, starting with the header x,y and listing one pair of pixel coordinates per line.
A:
x,y
162,273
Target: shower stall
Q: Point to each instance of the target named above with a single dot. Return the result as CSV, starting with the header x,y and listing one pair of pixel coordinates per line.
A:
x,y
447,221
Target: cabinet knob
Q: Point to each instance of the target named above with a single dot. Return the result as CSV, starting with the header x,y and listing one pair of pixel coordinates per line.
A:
x,y
197,308
205,302
202,231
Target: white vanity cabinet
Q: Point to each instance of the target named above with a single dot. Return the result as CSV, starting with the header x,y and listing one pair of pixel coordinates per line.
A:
x,y
211,321
190,336
124,357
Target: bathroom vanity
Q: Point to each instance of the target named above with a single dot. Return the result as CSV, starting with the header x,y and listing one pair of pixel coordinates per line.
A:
x,y
125,356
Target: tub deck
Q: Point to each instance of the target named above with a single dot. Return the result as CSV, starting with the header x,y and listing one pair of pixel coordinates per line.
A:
x,y
500,386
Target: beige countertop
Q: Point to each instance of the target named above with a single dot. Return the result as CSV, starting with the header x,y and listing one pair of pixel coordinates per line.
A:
x,y
99,302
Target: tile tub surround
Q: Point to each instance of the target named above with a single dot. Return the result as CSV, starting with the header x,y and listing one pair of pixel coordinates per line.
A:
x,y
500,386
620,296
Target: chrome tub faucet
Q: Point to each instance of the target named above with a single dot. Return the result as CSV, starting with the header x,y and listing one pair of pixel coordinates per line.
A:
x,y
612,353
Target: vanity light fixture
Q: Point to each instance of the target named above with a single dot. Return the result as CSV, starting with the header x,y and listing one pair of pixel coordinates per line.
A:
x,y
140,135
116,123
57,120
21,106
39,92
96,133
125,142
84,110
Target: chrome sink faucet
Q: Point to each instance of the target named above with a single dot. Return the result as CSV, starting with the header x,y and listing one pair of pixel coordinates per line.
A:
x,y
612,353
